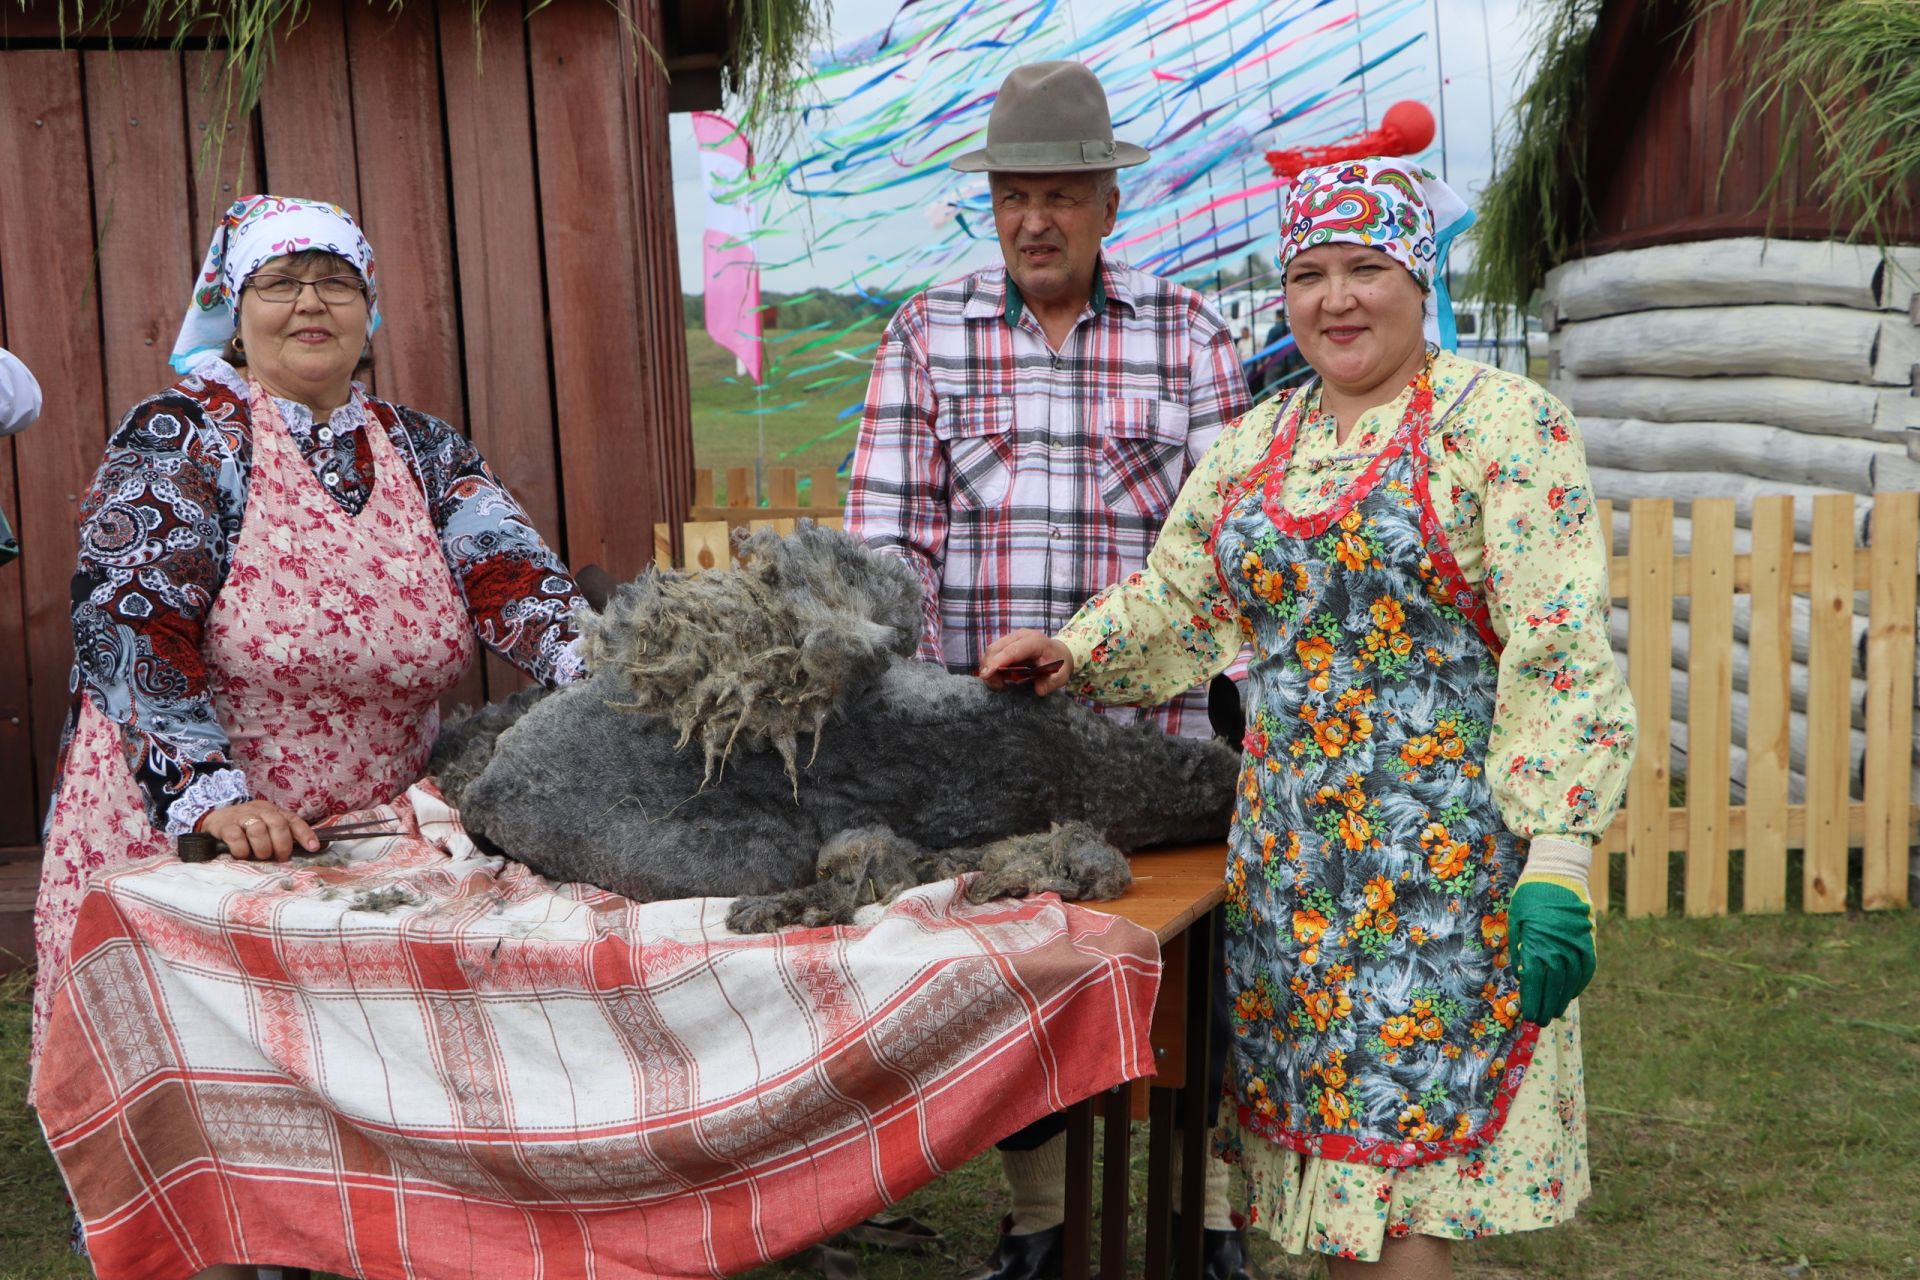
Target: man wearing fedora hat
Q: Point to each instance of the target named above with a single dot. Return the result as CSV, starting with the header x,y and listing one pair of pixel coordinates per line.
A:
x,y
1025,432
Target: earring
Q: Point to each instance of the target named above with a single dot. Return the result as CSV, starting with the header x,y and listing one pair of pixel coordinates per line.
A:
x,y
238,345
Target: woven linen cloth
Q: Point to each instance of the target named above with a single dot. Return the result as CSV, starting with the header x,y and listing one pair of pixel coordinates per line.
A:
x,y
429,1062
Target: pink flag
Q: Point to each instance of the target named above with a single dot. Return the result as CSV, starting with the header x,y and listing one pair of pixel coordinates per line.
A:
x,y
732,274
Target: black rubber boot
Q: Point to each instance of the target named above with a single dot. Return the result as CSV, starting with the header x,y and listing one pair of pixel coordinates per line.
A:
x,y
1223,1253
1034,1256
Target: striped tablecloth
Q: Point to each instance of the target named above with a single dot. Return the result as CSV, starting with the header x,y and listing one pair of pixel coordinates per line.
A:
x,y
428,1062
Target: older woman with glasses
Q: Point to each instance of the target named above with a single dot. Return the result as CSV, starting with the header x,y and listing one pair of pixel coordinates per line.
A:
x,y
1436,736
279,576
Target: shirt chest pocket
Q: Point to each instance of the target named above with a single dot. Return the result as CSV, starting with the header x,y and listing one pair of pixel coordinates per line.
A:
x,y
1143,451
977,432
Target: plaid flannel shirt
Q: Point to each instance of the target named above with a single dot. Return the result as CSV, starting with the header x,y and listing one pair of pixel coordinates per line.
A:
x,y
1018,481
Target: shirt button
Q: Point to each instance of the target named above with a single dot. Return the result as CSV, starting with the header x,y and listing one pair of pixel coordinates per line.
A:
x,y
1057,533
332,479
325,434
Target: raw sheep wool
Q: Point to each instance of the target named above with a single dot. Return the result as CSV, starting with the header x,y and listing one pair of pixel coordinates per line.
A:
x,y
831,769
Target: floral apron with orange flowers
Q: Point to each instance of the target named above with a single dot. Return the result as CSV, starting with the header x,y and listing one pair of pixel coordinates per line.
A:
x,y
1376,1018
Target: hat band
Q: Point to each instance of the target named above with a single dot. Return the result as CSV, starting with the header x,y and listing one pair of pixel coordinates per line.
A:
x,y
1037,155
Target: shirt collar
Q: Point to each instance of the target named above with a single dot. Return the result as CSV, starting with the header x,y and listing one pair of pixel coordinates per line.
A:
x,y
998,295
299,418
1450,377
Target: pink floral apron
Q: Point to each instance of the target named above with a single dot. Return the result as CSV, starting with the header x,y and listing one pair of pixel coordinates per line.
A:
x,y
328,647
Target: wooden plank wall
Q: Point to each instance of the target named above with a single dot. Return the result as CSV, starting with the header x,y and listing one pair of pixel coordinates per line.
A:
x,y
516,184
1669,176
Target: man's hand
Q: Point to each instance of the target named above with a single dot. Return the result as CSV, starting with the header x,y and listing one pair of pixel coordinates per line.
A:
x,y
1028,649
259,829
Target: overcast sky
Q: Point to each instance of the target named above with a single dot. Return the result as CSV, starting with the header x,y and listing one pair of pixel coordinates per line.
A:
x,y
1482,44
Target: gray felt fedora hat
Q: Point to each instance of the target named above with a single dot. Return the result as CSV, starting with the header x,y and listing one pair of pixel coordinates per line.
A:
x,y
1050,117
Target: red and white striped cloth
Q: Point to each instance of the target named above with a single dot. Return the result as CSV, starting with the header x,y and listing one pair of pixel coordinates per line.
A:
x,y
432,1063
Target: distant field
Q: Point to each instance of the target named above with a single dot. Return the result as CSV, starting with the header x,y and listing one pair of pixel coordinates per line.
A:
x,y
803,430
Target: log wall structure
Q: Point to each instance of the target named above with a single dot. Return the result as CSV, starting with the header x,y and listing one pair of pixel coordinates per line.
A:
x,y
1730,333
512,172
1745,376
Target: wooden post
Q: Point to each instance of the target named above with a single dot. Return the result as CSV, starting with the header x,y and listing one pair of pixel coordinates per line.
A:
x,y
1890,654
1770,698
708,544
783,487
703,487
1600,877
823,490
1828,668
740,487
1115,1202
1649,659
1709,705
1076,1249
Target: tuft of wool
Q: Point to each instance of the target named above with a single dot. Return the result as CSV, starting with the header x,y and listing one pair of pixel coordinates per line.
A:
x,y
1071,859
759,656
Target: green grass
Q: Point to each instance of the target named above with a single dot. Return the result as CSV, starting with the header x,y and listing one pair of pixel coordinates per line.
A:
x,y
804,429
1755,1092
33,1228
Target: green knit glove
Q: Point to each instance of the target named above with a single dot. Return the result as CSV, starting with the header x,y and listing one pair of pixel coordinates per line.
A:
x,y
1551,924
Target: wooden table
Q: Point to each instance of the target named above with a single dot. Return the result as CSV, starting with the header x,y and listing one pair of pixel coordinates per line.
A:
x,y
1176,893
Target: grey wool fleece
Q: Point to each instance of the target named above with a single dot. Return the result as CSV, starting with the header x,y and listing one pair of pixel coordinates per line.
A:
x,y
741,722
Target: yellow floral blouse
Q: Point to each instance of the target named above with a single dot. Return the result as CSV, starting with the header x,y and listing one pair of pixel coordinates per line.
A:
x,y
1510,488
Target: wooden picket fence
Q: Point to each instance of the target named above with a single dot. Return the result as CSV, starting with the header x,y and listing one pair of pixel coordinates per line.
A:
x,y
705,539
1832,820
1708,829
787,497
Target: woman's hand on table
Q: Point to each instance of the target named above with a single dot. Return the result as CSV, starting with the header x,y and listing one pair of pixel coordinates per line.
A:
x,y
1027,648
259,829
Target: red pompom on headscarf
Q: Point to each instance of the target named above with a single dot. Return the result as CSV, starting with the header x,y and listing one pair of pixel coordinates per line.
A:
x,y
1406,130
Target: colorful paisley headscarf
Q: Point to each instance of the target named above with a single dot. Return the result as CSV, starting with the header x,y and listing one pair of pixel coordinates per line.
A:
x,y
252,231
1395,206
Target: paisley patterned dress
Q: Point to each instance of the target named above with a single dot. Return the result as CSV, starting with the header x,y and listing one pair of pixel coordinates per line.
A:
x,y
1383,1081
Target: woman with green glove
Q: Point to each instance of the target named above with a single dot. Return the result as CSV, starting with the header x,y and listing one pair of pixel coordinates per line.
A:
x,y
1437,735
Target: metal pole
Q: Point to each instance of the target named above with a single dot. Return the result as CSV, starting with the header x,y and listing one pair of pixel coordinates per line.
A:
x,y
1440,67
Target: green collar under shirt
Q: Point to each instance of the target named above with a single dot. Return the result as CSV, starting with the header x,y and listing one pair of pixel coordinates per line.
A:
x,y
1098,302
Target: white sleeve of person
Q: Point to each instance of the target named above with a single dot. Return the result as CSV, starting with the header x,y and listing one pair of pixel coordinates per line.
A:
x,y
19,394
1559,860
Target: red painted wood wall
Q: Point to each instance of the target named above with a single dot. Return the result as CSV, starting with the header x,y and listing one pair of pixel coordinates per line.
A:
x,y
521,204
1669,157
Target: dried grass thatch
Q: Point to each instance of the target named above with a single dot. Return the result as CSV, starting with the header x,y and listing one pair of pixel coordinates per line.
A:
x,y
1844,67
1523,228
1851,69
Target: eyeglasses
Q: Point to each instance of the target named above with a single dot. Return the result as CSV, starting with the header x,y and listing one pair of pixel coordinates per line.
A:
x,y
332,290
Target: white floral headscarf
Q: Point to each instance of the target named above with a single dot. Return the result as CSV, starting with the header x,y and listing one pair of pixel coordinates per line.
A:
x,y
252,231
